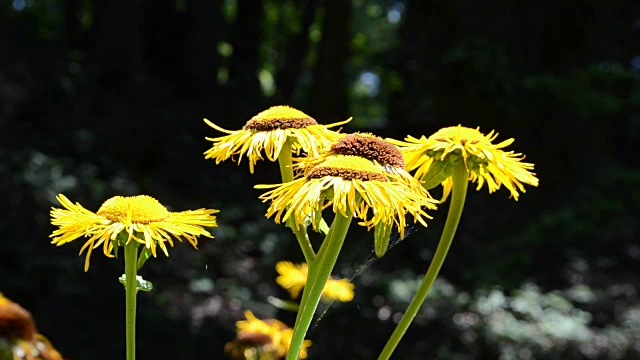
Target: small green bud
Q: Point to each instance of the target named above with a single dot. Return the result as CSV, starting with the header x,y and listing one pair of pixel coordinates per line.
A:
x,y
381,235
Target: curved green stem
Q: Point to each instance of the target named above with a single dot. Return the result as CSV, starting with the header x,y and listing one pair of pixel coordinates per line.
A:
x,y
459,193
284,160
130,269
319,272
286,171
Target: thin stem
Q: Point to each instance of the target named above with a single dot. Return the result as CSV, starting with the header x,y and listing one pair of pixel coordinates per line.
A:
x,y
459,193
319,272
286,171
131,290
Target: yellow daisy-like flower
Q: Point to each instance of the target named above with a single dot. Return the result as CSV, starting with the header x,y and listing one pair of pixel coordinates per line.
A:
x,y
142,217
262,339
351,184
382,153
268,131
485,161
18,337
294,276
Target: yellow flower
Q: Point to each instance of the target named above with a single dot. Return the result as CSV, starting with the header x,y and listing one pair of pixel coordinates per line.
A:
x,y
268,131
338,289
142,217
350,184
485,161
18,336
382,153
293,278
262,339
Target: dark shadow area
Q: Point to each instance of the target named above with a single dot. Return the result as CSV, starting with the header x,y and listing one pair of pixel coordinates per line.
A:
x,y
106,97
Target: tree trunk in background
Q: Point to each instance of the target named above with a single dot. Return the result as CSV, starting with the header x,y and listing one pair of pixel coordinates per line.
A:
x,y
328,101
203,32
287,78
118,44
243,79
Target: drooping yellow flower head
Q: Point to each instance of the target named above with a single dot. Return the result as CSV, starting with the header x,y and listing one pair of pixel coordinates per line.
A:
x,y
268,131
294,276
142,217
485,161
18,336
382,153
262,339
351,184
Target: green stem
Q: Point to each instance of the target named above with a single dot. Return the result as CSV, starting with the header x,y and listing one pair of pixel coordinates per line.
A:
x,y
286,171
459,193
319,272
131,290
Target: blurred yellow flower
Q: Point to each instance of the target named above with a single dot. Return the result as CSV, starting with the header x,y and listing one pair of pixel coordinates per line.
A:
x,y
351,184
485,161
262,340
268,131
142,217
18,336
294,276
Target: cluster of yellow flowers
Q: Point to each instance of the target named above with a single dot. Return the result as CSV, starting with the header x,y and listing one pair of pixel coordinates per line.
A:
x,y
270,339
361,172
363,175
359,175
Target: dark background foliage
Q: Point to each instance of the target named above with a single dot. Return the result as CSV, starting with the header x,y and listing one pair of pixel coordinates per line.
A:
x,y
106,97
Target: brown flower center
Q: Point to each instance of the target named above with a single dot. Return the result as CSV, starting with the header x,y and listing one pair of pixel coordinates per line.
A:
x,y
15,321
280,117
347,174
266,125
254,338
347,167
371,148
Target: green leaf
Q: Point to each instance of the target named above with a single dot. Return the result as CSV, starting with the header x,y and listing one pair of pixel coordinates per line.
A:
x,y
324,228
115,249
381,235
145,254
438,172
120,240
283,304
143,285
